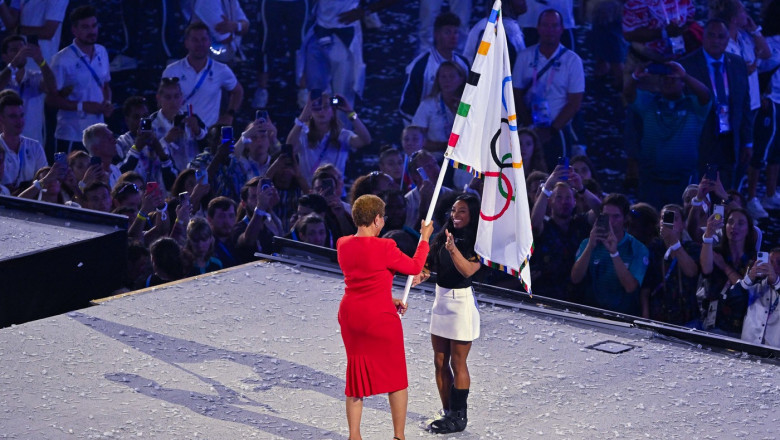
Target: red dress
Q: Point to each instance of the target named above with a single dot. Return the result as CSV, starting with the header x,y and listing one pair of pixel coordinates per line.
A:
x,y
370,325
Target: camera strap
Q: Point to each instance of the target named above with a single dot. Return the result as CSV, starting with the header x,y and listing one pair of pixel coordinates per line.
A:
x,y
200,80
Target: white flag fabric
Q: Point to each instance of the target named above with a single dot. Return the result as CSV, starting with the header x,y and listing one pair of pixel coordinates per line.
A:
x,y
484,141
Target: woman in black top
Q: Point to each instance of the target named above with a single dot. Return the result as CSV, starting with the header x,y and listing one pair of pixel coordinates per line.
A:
x,y
454,317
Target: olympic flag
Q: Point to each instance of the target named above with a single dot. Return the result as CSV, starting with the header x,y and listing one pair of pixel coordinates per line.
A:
x,y
484,141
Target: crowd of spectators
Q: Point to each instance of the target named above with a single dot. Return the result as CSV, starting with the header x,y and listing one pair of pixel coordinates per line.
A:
x,y
202,192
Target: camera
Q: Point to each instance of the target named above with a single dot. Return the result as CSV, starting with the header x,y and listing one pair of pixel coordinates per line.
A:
x,y
335,101
261,115
227,136
146,124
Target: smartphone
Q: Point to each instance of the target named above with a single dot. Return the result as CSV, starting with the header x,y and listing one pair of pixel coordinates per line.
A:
x,y
327,187
184,198
61,157
201,176
711,172
32,39
658,69
719,211
227,136
422,173
762,257
669,218
602,223
261,115
152,187
265,184
178,120
335,101
146,124
95,160
564,161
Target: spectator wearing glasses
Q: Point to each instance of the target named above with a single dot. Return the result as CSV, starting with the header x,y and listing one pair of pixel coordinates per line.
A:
x,y
125,195
176,129
203,79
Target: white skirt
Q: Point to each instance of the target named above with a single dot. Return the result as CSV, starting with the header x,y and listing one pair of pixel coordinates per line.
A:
x,y
454,314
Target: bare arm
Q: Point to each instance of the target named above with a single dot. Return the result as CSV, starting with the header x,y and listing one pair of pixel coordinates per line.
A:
x,y
465,267
45,32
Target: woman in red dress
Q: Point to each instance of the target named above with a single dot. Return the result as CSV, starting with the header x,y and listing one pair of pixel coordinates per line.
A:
x,y
368,314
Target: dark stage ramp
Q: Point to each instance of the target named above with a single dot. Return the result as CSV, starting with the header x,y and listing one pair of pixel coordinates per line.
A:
x,y
55,258
255,352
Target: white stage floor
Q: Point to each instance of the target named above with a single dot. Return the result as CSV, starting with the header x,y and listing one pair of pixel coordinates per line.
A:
x,y
255,352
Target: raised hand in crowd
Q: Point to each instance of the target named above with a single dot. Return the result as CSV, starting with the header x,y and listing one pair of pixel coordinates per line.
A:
x,y
94,173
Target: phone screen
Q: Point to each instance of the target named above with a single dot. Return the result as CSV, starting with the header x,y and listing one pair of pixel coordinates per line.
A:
x,y
719,211
669,218
763,257
602,223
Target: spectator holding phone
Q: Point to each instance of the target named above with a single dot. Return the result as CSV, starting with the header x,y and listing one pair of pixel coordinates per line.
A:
x,y
318,136
338,218
256,230
762,320
668,292
611,262
31,84
723,266
100,142
670,123
178,128
47,186
253,147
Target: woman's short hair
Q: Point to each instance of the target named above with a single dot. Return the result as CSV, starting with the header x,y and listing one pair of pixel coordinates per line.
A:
x,y
366,208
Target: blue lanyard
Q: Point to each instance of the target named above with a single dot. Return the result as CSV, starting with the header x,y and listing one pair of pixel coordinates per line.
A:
x,y
91,70
200,81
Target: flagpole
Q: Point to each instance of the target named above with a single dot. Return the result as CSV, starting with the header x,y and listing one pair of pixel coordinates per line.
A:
x,y
429,216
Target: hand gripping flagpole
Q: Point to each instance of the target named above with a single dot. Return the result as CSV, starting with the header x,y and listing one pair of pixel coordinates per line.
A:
x,y
428,217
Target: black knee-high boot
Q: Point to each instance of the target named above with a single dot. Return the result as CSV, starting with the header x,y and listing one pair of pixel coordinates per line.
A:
x,y
456,419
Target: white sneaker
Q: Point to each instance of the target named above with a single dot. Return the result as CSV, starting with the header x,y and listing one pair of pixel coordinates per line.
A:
x,y
755,209
772,202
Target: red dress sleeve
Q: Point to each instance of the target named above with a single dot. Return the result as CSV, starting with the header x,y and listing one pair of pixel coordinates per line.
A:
x,y
400,262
